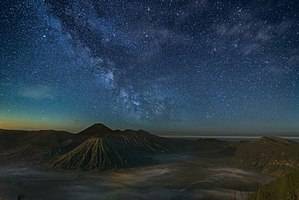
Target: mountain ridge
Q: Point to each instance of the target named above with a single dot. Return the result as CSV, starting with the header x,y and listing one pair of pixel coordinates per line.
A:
x,y
100,147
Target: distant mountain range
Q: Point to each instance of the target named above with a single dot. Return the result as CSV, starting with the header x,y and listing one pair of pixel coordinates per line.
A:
x,y
32,146
104,148
100,148
96,147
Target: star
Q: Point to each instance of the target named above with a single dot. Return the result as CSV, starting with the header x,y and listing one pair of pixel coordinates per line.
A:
x,y
153,65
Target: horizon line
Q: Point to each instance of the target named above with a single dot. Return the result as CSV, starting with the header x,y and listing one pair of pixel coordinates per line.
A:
x,y
199,135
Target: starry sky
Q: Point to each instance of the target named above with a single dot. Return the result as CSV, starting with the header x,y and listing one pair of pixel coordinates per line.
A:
x,y
168,66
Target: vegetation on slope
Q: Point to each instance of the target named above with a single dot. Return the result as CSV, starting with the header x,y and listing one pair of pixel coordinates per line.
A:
x,y
269,155
283,188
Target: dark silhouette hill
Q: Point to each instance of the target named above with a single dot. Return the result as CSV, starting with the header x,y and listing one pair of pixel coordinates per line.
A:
x,y
97,129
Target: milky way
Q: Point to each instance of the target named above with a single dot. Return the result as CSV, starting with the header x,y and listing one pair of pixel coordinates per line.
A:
x,y
183,66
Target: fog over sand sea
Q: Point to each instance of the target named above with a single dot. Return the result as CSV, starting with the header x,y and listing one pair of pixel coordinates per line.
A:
x,y
180,179
149,100
101,163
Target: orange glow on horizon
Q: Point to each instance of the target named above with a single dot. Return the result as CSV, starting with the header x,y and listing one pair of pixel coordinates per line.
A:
x,y
21,123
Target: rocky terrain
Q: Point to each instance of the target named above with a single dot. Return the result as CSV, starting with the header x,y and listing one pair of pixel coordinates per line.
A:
x,y
285,187
96,147
129,162
109,149
270,155
274,156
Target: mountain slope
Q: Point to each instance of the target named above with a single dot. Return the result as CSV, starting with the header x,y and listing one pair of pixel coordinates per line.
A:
x,y
97,129
96,147
111,149
32,146
283,188
95,153
270,155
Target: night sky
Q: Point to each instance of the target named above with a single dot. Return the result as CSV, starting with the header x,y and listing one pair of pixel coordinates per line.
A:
x,y
168,66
